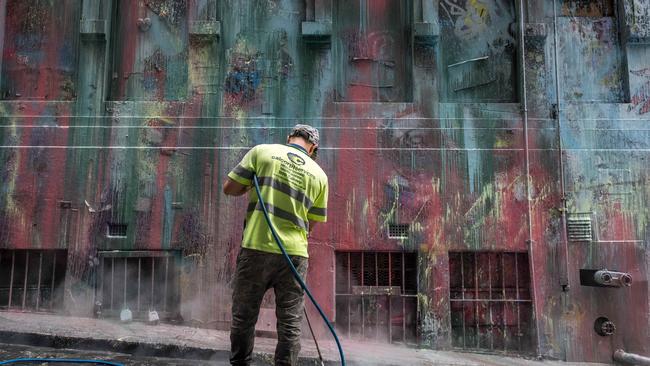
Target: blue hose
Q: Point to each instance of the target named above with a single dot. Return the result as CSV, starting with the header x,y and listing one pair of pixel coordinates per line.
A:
x,y
295,272
60,360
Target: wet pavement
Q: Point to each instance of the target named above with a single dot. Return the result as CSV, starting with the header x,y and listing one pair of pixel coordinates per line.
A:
x,y
12,351
137,343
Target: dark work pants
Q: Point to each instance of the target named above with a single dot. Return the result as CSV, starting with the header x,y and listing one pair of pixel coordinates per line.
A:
x,y
257,272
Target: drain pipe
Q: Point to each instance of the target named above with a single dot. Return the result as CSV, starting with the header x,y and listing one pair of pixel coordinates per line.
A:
x,y
630,358
529,242
564,250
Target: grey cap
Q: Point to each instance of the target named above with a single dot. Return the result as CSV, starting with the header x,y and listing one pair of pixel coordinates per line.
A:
x,y
307,132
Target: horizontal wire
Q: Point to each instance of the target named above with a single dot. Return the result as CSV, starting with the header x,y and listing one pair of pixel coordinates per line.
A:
x,y
87,147
339,118
118,116
516,128
279,128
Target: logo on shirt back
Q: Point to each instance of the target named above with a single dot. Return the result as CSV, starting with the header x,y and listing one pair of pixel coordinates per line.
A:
x,y
296,159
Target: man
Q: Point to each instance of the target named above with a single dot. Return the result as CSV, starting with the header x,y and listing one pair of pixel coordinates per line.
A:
x,y
294,189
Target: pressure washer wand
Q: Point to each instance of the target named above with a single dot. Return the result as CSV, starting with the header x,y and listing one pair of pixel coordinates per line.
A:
x,y
294,271
311,330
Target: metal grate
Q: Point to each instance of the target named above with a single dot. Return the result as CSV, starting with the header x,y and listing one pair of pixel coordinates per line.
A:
x,y
32,280
398,231
491,306
117,230
376,296
139,281
579,228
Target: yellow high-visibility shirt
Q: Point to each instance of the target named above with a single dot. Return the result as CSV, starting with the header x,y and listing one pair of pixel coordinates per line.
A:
x,y
294,189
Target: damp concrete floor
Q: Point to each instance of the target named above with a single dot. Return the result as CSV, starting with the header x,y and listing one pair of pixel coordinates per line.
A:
x,y
54,336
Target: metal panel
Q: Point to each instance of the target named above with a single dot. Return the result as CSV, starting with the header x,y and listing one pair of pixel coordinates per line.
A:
x,y
477,62
373,50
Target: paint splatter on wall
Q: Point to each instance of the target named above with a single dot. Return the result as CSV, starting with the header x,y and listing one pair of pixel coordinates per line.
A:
x,y
591,59
151,63
478,51
243,78
641,95
40,50
437,163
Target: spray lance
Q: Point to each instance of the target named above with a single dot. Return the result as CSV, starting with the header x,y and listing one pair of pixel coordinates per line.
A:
x,y
297,275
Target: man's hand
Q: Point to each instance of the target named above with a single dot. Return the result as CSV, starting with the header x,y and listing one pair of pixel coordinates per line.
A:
x,y
233,188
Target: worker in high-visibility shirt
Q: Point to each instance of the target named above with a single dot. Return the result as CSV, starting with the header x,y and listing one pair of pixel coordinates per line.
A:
x,y
295,189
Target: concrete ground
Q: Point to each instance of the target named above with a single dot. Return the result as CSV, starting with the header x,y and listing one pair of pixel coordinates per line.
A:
x,y
14,351
141,344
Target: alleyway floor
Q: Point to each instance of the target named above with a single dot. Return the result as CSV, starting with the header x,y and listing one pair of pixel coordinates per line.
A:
x,y
43,335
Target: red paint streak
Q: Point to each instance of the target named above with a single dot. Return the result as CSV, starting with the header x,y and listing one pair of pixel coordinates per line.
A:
x,y
129,37
615,223
641,97
43,47
170,141
40,186
158,204
378,8
51,189
359,167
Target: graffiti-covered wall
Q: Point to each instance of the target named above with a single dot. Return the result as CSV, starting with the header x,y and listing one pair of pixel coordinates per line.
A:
x,y
487,161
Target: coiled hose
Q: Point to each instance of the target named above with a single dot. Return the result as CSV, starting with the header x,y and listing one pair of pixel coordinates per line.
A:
x,y
294,271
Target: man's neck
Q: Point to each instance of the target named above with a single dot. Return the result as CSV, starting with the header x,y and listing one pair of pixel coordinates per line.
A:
x,y
299,147
300,144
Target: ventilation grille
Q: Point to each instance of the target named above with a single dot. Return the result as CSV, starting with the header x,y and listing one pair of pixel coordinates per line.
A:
x,y
579,228
398,231
117,230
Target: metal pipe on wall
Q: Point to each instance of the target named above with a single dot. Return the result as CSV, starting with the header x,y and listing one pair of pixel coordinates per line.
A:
x,y
564,251
630,358
524,104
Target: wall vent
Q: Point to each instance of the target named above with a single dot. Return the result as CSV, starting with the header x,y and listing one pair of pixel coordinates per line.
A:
x,y
398,231
116,230
579,228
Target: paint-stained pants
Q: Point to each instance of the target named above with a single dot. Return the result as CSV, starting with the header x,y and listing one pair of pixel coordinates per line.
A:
x,y
257,272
